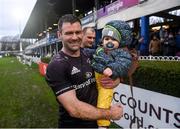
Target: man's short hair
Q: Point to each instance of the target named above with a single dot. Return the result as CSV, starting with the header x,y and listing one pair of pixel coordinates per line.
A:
x,y
67,18
86,28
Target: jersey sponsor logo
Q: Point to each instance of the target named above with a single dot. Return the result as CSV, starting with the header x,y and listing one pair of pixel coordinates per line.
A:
x,y
84,84
74,70
88,75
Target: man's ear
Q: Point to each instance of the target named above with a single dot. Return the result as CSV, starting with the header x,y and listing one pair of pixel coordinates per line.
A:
x,y
59,34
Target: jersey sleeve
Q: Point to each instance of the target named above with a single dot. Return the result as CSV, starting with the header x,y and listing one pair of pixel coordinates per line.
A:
x,y
57,77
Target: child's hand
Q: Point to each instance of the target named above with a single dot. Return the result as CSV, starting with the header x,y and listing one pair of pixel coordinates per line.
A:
x,y
109,83
107,72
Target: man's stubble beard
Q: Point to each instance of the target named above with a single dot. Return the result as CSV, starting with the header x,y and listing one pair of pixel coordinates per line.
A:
x,y
69,47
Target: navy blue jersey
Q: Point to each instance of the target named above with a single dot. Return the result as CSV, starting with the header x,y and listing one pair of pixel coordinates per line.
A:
x,y
65,73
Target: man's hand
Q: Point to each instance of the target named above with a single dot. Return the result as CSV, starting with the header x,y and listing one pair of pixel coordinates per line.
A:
x,y
107,82
116,111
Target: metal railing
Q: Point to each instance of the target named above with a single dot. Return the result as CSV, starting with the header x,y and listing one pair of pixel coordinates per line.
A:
x,y
160,58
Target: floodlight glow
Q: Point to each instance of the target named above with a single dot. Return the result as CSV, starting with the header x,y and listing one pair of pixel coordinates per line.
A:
x,y
76,10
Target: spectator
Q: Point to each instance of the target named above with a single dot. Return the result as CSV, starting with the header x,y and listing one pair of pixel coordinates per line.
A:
x,y
178,43
88,37
154,46
169,45
142,47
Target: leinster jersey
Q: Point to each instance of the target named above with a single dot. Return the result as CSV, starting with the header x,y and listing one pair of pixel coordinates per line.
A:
x,y
65,73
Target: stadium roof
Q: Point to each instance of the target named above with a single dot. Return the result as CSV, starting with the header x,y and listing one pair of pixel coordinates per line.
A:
x,y
46,13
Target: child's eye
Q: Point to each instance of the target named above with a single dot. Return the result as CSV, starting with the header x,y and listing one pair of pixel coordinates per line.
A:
x,y
106,38
113,39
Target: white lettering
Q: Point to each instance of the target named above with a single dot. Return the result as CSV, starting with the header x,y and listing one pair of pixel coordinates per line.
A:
x,y
115,8
86,83
149,109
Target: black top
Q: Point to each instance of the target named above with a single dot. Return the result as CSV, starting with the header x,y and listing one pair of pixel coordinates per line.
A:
x,y
65,73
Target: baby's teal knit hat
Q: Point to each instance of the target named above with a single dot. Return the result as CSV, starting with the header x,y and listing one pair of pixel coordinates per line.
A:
x,y
119,30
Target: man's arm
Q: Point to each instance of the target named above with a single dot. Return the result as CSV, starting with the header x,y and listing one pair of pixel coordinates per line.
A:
x,y
82,110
